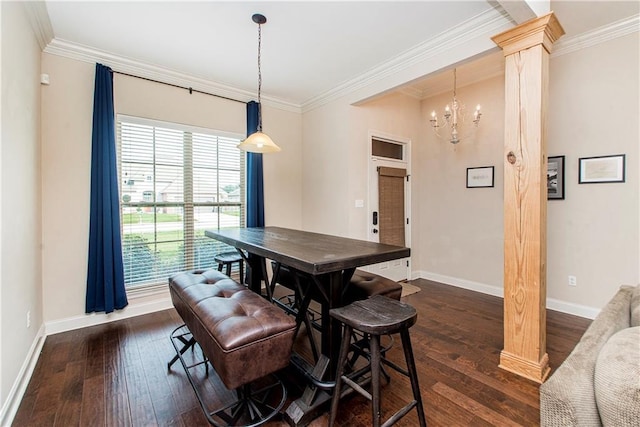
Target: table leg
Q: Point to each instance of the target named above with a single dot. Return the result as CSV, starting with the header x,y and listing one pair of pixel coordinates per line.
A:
x,y
331,334
256,274
301,412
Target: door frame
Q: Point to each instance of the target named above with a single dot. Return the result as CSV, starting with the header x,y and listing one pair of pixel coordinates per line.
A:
x,y
406,164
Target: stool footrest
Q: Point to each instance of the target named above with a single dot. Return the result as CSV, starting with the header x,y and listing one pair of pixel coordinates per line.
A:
x,y
376,316
401,413
354,385
394,366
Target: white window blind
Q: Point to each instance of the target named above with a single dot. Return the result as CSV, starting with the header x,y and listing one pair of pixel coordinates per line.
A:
x,y
176,182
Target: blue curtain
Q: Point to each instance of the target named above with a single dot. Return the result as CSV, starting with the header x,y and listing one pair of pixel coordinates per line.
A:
x,y
255,189
105,273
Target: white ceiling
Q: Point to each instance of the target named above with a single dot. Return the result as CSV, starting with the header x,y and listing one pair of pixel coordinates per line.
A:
x,y
308,47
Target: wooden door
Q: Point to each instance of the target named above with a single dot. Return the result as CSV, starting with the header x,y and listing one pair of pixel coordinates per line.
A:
x,y
391,215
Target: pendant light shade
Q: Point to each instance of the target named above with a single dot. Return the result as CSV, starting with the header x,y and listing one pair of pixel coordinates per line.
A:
x,y
259,142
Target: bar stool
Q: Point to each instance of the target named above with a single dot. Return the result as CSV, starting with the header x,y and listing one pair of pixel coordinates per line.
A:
x,y
227,259
377,316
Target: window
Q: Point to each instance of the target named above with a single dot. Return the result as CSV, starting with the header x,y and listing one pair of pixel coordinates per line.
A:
x,y
387,149
175,183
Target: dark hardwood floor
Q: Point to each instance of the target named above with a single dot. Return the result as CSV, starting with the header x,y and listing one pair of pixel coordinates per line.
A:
x,y
116,374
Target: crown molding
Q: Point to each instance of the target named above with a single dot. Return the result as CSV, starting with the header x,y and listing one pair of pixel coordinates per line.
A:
x,y
137,68
472,76
599,35
38,17
491,20
412,92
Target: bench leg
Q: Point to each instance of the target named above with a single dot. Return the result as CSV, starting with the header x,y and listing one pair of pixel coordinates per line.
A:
x,y
253,404
186,345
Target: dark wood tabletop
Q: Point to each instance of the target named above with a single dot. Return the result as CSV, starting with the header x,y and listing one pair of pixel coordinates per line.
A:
x,y
330,262
312,253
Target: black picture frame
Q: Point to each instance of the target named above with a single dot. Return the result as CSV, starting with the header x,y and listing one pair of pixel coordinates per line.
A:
x,y
480,177
555,178
601,169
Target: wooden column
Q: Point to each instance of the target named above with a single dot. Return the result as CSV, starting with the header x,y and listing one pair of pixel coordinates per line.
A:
x,y
526,49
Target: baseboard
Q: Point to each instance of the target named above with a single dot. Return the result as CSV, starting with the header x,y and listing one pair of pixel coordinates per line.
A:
x,y
12,403
462,283
552,303
132,310
571,308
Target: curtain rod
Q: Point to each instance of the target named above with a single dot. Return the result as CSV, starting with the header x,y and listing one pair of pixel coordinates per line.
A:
x,y
190,89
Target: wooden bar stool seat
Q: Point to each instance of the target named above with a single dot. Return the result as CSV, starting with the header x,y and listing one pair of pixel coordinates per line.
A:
x,y
376,316
227,259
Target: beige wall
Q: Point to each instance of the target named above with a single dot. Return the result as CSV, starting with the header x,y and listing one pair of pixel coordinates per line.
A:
x,y
459,229
336,144
594,111
67,105
325,161
457,233
394,116
20,228
593,234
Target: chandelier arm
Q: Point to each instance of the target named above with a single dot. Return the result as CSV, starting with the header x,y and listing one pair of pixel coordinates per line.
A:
x,y
455,118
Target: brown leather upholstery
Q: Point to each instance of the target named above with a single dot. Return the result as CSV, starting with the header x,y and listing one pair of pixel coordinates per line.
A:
x,y
363,285
242,334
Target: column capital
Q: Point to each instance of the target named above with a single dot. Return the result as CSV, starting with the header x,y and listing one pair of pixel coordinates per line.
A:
x,y
544,30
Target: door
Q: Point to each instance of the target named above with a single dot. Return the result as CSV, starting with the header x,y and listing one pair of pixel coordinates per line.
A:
x,y
389,202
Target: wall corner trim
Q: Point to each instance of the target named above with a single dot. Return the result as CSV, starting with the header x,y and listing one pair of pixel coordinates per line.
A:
x,y
12,403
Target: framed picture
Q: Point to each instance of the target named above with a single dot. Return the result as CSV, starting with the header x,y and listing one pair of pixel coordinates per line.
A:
x,y
594,170
555,178
480,177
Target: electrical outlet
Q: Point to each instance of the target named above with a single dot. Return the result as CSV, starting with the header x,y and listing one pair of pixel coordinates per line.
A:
x,y
572,281
28,318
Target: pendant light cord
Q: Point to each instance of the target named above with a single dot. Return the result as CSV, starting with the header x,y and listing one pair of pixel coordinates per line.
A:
x,y
259,78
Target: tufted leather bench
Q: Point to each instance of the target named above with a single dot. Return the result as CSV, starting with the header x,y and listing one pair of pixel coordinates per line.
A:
x,y
242,334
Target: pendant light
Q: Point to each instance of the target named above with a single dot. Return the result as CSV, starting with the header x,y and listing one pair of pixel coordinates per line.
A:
x,y
259,142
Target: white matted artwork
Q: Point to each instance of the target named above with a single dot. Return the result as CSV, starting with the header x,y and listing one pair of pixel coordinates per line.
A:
x,y
555,178
480,177
593,170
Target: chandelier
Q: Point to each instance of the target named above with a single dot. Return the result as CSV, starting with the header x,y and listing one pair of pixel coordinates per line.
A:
x,y
259,142
454,118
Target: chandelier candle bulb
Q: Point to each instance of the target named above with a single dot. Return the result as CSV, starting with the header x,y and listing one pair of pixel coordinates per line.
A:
x,y
476,115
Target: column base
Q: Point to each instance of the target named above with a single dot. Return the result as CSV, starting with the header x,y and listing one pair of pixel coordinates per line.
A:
x,y
535,371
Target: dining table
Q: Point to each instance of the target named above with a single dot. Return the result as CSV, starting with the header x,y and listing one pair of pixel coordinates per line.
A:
x,y
329,262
